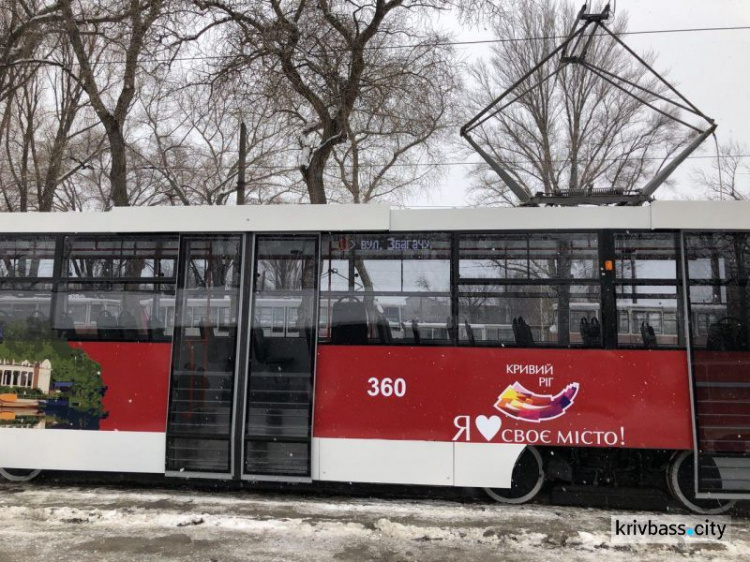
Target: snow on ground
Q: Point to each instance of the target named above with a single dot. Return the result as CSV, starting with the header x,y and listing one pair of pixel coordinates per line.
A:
x,y
95,524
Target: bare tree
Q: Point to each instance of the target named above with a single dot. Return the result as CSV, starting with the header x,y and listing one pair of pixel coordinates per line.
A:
x,y
124,29
394,138
22,31
317,58
47,113
573,132
69,103
728,176
191,143
88,189
20,146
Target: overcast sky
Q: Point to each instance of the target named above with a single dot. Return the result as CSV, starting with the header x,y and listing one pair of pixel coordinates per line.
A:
x,y
711,68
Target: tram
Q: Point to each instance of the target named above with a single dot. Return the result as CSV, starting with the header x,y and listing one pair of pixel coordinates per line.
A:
x,y
461,347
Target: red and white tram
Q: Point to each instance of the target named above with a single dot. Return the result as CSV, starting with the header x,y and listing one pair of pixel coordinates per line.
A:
x,y
491,348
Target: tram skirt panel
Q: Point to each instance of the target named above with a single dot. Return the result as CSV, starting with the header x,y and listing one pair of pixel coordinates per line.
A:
x,y
428,463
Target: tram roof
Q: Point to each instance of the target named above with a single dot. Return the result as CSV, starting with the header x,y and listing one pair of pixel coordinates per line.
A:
x,y
661,215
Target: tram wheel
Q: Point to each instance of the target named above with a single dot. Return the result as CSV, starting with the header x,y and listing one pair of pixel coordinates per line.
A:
x,y
680,480
18,474
526,480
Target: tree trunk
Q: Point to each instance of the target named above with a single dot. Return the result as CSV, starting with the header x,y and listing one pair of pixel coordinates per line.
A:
x,y
47,197
49,186
118,173
313,176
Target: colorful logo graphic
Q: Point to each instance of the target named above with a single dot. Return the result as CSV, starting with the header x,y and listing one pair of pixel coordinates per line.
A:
x,y
522,404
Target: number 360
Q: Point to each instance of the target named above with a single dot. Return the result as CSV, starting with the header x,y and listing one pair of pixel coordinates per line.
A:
x,y
386,387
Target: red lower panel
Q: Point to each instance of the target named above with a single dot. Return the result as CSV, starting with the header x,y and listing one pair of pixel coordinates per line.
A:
x,y
136,377
637,399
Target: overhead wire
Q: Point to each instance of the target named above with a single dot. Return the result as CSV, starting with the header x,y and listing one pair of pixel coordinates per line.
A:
x,y
467,163
460,43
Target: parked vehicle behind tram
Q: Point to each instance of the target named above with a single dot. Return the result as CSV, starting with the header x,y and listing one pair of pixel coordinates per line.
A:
x,y
444,348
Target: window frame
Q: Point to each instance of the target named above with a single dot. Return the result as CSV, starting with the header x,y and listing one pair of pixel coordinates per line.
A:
x,y
63,279
656,283
723,282
593,281
59,280
326,296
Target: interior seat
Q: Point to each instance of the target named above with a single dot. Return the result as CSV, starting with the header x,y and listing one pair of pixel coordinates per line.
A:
x,y
348,322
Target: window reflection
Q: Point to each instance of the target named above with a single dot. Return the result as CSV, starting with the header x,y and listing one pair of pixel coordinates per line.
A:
x,y
492,314
122,257
24,310
647,292
517,289
113,311
718,268
117,288
27,256
529,256
385,289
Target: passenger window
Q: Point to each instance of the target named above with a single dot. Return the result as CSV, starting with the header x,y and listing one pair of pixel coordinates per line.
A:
x,y
623,322
529,290
718,271
24,310
647,290
117,288
26,268
27,257
387,289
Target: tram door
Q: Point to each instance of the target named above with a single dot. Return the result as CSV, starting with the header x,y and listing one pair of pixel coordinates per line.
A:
x,y
718,276
202,396
278,409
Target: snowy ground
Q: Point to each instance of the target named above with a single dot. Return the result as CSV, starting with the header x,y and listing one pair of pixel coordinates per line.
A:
x,y
95,523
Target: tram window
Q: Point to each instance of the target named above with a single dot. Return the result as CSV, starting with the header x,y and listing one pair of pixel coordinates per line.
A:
x,y
716,257
623,322
703,321
576,316
719,324
647,290
645,256
114,311
280,317
652,318
322,322
718,267
120,257
507,280
292,318
117,288
24,309
284,266
214,264
392,289
529,256
278,321
670,323
493,314
27,256
264,315
652,308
